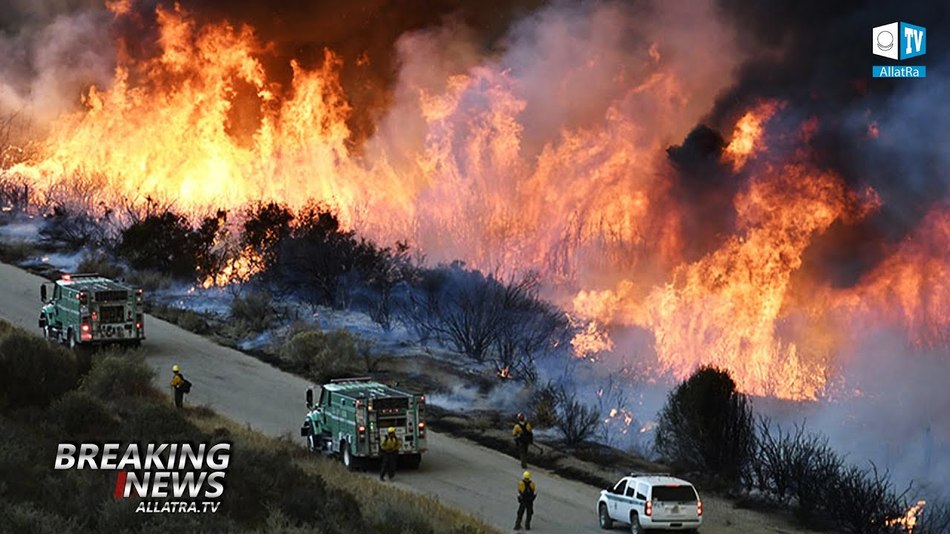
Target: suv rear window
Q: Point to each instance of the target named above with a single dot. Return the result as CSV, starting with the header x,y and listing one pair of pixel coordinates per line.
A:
x,y
674,493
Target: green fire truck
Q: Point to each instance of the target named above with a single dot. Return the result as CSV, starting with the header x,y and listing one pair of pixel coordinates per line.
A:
x,y
86,309
351,417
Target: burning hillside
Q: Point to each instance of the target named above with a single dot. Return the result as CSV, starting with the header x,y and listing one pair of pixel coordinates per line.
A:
x,y
558,149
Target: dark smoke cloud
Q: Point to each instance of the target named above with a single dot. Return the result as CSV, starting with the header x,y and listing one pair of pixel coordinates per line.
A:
x,y
49,52
815,56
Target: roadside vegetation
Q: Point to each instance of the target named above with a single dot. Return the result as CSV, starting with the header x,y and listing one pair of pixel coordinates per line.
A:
x,y
707,431
271,486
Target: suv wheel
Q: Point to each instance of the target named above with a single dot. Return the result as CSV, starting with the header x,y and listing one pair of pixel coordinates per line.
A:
x,y
606,522
635,527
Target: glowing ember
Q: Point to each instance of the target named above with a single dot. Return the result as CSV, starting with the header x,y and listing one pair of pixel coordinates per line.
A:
x,y
908,521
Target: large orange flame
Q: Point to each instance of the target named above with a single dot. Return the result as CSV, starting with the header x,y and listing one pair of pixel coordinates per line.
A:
x,y
202,126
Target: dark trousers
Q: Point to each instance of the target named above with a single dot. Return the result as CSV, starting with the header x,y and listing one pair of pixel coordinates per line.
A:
x,y
388,466
523,453
179,397
526,510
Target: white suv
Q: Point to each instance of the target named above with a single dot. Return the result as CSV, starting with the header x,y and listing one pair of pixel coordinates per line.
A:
x,y
651,501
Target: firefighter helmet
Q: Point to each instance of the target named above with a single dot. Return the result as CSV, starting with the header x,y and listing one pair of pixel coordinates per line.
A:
x,y
521,417
175,368
392,430
527,475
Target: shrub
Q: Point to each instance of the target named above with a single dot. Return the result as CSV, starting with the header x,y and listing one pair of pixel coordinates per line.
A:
x,y
25,517
861,500
33,372
322,356
794,464
253,312
707,425
102,264
314,258
265,227
78,414
15,251
544,405
259,480
934,518
191,321
577,421
149,280
116,376
165,242
70,229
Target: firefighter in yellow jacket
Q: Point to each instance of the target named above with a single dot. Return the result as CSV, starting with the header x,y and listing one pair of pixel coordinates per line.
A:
x,y
524,437
527,492
178,385
390,449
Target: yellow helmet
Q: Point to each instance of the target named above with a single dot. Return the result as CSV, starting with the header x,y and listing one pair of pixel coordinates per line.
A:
x,y
392,430
175,368
527,475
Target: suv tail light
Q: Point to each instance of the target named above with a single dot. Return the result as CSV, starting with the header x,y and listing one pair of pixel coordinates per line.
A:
x,y
648,509
699,508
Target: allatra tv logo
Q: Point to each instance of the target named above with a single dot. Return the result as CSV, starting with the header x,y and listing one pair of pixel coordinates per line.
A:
x,y
899,40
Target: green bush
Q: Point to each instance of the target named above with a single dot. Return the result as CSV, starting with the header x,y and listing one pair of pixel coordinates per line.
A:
x,y
116,376
253,312
259,480
102,264
78,415
33,372
15,251
322,356
149,280
25,517
707,425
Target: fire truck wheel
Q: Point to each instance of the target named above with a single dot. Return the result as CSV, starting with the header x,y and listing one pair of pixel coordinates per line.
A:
x,y
346,456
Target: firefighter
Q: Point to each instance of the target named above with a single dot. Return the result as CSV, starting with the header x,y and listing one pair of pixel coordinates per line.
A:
x,y
527,492
524,437
178,385
390,448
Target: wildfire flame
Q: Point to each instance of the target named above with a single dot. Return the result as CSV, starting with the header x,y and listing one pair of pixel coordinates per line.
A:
x,y
747,138
908,521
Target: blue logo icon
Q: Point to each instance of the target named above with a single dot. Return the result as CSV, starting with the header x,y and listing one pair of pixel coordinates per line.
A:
x,y
899,40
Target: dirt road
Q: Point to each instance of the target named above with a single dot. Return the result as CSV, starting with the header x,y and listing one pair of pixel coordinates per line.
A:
x,y
478,480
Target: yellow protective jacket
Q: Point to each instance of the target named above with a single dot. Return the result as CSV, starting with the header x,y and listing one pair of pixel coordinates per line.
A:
x,y
390,444
522,488
516,431
177,380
